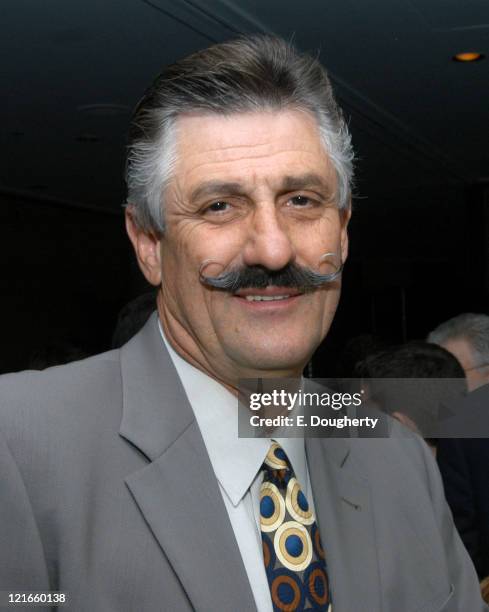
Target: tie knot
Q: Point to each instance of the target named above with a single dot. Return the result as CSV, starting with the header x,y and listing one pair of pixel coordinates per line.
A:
x,y
277,465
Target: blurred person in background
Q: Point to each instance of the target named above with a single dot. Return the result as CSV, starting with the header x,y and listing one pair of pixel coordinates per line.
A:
x,y
421,403
54,354
466,336
463,450
485,589
355,350
132,318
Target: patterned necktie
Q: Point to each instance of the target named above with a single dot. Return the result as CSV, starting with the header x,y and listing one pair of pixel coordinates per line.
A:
x,y
292,551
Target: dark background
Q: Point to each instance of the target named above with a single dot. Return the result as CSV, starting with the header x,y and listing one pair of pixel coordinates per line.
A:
x,y
71,72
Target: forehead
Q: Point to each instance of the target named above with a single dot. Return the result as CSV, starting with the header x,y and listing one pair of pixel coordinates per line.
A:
x,y
249,148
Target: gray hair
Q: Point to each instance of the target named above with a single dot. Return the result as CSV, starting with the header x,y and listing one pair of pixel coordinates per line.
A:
x,y
247,74
473,328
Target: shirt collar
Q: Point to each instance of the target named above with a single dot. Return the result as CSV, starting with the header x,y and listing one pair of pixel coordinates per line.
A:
x,y
236,461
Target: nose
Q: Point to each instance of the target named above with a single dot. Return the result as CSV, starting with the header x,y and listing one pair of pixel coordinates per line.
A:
x,y
268,244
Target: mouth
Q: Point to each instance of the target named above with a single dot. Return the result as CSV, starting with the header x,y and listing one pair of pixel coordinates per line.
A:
x,y
270,298
266,298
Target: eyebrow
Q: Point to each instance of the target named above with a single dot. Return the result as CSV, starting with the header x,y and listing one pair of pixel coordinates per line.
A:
x,y
210,188
310,180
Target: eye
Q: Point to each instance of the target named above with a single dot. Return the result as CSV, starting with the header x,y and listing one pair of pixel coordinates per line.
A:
x,y
218,207
300,201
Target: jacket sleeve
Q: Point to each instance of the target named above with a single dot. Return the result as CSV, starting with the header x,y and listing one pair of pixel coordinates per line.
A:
x,y
22,562
466,594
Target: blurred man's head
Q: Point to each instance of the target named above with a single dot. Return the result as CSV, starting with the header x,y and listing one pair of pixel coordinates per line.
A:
x,y
414,382
240,168
132,317
467,338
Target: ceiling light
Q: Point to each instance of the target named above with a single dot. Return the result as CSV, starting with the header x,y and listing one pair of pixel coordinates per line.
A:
x,y
468,56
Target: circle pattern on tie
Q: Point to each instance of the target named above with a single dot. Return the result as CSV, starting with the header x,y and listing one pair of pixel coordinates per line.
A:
x,y
272,507
316,582
269,557
286,590
293,546
276,458
297,504
316,540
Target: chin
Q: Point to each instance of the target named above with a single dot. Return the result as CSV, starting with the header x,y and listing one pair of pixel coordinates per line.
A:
x,y
282,360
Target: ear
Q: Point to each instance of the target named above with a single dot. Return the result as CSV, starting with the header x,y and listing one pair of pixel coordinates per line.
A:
x,y
147,246
345,216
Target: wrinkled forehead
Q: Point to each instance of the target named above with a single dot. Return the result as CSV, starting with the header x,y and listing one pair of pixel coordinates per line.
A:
x,y
252,147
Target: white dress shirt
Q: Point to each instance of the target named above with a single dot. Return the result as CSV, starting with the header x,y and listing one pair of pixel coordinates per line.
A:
x,y
236,463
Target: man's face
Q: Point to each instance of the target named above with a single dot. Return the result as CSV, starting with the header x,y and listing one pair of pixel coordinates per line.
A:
x,y
476,376
248,190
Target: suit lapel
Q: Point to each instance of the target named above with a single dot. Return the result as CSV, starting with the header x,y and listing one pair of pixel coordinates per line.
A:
x,y
346,523
180,499
178,492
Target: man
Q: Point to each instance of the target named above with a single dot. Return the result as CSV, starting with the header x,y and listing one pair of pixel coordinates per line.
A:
x,y
413,382
463,456
466,336
127,484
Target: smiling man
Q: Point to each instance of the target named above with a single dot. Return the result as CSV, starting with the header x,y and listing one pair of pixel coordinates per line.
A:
x,y
125,484
253,190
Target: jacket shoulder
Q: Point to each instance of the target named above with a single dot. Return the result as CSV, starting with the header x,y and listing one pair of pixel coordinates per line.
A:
x,y
61,398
